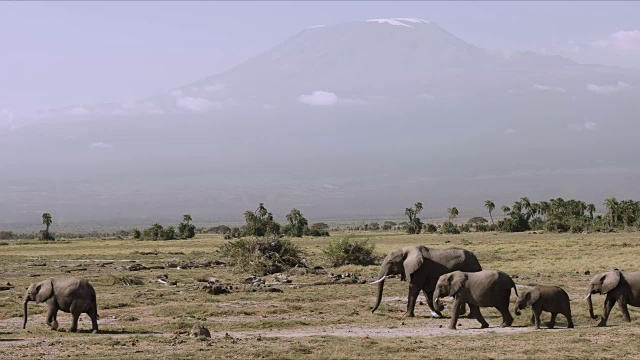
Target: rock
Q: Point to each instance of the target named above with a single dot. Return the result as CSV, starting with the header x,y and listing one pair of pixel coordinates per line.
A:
x,y
587,272
199,330
218,289
137,267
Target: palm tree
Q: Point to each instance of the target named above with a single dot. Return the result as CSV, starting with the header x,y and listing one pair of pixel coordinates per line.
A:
x,y
516,208
186,218
544,208
505,209
297,222
591,208
490,206
612,207
47,220
453,212
526,205
418,206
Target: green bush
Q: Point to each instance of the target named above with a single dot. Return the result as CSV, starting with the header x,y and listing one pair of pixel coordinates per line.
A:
x,y
350,252
515,223
430,228
316,232
157,232
263,255
135,233
449,228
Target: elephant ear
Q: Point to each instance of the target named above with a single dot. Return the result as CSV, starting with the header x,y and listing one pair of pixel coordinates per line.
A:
x,y
44,291
412,262
457,281
610,280
532,296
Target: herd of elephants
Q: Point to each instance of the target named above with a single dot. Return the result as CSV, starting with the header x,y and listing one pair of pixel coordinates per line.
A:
x,y
438,272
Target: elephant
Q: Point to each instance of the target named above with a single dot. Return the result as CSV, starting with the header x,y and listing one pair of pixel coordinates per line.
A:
x,y
486,288
619,286
421,267
552,299
71,295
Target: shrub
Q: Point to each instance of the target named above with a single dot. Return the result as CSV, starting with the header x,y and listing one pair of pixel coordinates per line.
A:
x,y
515,223
45,235
430,228
477,220
135,233
316,232
6,235
186,231
350,252
374,226
465,228
319,226
157,232
449,228
388,225
263,255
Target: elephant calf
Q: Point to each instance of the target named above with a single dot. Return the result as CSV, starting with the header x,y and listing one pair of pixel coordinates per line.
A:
x,y
486,288
71,295
552,299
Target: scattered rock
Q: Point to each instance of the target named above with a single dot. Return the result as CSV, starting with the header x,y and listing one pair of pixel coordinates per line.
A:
x,y
587,272
38,264
219,289
515,276
199,330
136,267
537,274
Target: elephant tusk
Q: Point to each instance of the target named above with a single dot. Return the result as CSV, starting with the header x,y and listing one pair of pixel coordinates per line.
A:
x,y
586,297
379,280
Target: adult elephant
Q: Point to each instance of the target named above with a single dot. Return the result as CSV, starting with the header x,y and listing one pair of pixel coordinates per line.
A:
x,y
421,267
622,287
71,295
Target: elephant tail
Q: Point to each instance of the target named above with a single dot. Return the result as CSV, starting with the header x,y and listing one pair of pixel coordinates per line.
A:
x,y
515,289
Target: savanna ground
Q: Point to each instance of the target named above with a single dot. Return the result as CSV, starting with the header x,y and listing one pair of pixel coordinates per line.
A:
x,y
311,317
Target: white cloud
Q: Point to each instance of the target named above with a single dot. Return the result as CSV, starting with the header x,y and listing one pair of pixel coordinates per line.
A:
x,y
176,93
6,116
607,89
268,106
316,26
586,126
78,111
200,104
425,96
319,98
510,131
399,21
621,41
548,88
100,145
214,88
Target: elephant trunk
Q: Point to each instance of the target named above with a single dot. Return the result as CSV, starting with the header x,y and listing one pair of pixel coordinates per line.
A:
x,y
381,276
516,310
437,302
24,304
590,305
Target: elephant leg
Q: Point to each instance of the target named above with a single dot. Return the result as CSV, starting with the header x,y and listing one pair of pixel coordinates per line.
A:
x,y
622,305
52,316
507,319
536,317
533,317
567,314
552,322
478,315
414,291
93,314
608,305
429,295
454,315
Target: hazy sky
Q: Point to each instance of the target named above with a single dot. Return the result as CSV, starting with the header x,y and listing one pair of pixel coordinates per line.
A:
x,y
62,53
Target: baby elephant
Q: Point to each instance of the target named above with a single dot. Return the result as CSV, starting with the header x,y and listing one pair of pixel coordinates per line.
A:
x,y
71,295
545,298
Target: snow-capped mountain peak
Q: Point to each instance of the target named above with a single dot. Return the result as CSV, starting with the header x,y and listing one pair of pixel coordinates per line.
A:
x,y
399,21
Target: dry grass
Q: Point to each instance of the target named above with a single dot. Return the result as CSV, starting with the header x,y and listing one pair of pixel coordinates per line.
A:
x,y
334,321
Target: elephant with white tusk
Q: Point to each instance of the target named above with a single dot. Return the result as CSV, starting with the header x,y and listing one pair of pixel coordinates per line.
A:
x,y
622,287
421,267
71,295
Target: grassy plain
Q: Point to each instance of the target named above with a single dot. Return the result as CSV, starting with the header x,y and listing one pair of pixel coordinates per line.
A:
x,y
309,318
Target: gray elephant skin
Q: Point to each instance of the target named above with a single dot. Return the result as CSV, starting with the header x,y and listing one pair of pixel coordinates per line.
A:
x,y
622,287
421,267
486,288
71,295
552,299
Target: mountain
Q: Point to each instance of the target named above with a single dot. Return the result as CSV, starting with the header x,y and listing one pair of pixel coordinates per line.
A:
x,y
349,120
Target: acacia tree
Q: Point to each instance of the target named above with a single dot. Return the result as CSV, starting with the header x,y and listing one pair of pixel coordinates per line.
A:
x,y
591,208
414,225
453,213
612,209
260,222
490,206
297,223
505,209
